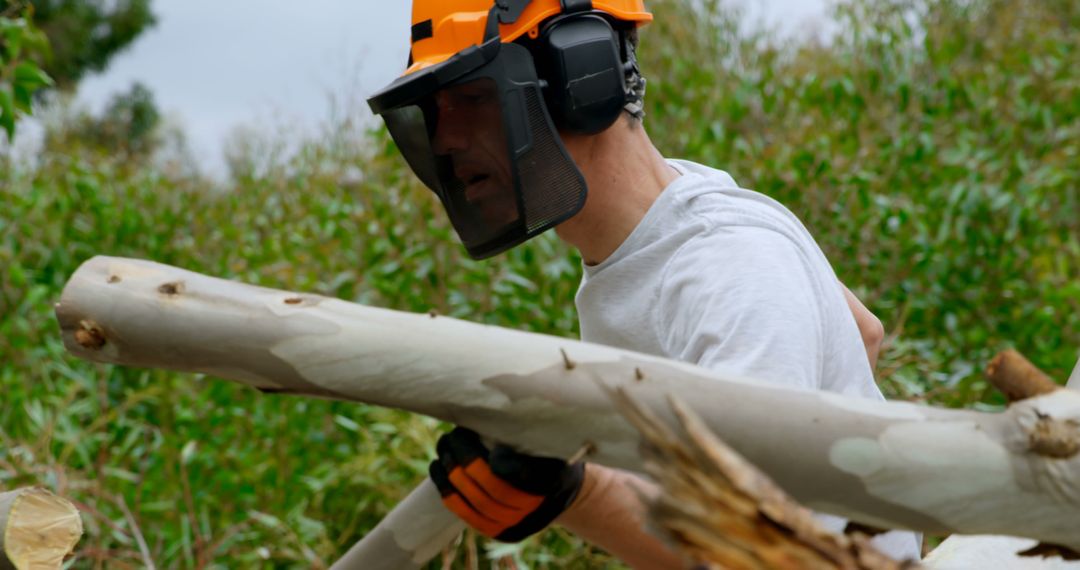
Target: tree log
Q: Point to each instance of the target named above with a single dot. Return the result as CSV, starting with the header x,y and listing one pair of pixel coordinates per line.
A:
x,y
37,529
885,464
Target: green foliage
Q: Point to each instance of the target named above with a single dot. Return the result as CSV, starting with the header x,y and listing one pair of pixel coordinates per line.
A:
x,y
20,77
86,34
130,126
931,149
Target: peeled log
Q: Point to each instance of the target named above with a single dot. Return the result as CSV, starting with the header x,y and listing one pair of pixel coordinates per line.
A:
x,y
37,529
885,464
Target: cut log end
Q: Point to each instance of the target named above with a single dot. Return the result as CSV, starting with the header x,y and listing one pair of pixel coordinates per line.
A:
x,y
1017,377
39,529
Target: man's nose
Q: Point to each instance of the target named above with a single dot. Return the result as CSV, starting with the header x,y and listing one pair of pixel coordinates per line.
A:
x,y
450,132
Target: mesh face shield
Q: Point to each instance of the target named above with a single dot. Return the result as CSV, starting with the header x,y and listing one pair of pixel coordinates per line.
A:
x,y
475,130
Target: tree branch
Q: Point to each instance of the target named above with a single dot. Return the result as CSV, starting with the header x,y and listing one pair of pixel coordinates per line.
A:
x,y
885,464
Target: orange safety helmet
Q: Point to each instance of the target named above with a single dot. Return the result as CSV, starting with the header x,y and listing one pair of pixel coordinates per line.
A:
x,y
443,28
489,87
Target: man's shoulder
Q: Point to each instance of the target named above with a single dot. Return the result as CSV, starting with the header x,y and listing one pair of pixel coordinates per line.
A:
x,y
713,196
743,239
708,175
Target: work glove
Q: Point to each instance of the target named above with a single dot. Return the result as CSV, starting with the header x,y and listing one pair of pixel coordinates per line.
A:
x,y
501,493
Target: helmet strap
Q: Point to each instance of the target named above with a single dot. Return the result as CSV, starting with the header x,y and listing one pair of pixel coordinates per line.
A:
x,y
572,6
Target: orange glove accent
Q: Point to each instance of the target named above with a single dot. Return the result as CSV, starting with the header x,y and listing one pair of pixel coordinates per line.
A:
x,y
501,493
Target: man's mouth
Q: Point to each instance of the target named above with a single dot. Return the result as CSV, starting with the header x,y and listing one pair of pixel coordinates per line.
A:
x,y
476,179
476,187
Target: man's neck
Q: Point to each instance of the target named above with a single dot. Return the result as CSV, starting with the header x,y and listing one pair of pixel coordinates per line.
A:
x,y
625,175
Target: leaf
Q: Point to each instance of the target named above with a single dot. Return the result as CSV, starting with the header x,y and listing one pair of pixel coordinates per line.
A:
x,y
266,519
188,452
346,423
23,100
14,31
35,40
7,111
122,474
31,76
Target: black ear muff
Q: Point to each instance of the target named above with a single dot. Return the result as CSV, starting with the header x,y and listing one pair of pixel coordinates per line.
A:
x,y
586,86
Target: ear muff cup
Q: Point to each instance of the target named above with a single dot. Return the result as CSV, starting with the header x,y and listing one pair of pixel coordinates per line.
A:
x,y
580,60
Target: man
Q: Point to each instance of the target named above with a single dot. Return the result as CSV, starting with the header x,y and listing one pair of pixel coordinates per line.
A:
x,y
525,115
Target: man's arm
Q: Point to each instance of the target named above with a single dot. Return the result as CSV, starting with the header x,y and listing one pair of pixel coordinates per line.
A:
x,y
870,328
608,512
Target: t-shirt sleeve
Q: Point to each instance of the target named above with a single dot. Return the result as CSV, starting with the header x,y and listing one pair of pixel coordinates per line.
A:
x,y
741,300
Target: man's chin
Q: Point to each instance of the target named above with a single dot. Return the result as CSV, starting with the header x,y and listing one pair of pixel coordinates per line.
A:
x,y
500,219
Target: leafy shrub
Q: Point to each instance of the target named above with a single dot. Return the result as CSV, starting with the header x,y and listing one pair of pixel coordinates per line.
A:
x,y
931,148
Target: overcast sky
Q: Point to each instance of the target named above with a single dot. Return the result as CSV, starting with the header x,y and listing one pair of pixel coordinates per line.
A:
x,y
216,64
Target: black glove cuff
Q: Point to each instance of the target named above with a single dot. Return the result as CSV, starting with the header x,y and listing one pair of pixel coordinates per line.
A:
x,y
550,509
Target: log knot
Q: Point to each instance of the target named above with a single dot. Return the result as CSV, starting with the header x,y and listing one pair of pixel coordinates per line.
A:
x,y
90,335
172,288
1059,439
1045,550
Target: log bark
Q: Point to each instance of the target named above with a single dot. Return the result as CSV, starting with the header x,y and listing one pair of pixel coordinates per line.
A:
x,y
885,464
37,529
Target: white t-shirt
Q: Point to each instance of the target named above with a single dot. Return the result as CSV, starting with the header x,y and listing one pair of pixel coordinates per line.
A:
x,y
730,279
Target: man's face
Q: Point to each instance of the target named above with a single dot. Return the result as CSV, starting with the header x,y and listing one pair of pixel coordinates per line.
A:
x,y
470,133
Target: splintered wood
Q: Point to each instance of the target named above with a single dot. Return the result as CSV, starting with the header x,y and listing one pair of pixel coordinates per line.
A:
x,y
721,512
37,529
